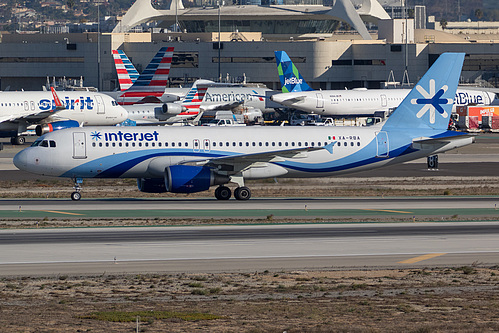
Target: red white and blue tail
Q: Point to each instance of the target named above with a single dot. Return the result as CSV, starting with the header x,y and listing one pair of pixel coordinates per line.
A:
x,y
195,96
151,84
127,74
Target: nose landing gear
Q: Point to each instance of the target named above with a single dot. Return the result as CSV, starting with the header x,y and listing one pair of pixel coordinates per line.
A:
x,y
76,195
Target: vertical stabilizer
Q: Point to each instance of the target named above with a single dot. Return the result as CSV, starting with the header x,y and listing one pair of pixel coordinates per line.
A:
x,y
429,103
291,79
152,81
127,74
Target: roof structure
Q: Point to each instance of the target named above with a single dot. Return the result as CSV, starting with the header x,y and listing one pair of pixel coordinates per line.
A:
x,y
142,11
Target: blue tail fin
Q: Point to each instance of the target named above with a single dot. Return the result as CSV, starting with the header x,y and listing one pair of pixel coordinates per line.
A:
x,y
429,103
291,79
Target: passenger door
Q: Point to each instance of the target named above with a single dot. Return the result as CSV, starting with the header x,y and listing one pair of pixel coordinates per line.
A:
x,y
79,145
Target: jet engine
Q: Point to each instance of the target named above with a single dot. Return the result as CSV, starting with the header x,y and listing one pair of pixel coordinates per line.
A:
x,y
57,125
167,110
151,185
191,179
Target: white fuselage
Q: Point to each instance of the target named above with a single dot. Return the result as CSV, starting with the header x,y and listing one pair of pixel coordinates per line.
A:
x,y
136,152
365,102
35,107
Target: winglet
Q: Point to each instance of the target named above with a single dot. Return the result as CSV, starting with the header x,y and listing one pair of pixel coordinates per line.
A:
x,y
58,103
329,147
291,79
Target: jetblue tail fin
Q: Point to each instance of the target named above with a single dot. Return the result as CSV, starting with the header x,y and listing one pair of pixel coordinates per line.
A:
x,y
429,103
291,79
127,74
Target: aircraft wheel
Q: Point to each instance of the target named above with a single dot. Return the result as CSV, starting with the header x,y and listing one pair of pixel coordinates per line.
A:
x,y
18,140
242,193
75,196
223,193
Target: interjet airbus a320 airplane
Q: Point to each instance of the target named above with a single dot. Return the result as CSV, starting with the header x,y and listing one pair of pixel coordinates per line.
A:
x,y
191,159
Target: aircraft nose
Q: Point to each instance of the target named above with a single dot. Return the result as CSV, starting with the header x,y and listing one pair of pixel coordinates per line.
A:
x,y
123,114
21,160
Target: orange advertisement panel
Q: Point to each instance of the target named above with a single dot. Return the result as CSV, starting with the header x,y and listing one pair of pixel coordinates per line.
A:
x,y
477,111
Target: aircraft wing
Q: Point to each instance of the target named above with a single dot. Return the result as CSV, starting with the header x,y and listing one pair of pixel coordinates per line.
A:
x,y
237,163
220,106
286,100
38,115
29,116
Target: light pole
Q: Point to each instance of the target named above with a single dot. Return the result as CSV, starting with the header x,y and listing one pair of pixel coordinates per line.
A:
x,y
219,42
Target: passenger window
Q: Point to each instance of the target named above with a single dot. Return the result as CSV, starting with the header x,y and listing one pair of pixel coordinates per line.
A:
x,y
114,144
120,144
240,144
233,144
280,144
166,144
266,144
52,143
345,143
100,144
186,144
93,144
247,144
253,144
180,144
107,144
140,144
214,144
358,144
227,143
351,143
126,144
286,144
173,144
292,144
260,144
159,144
299,144
273,144
146,144
133,144
306,144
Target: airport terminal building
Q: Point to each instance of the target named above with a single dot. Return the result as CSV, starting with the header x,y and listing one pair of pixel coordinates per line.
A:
x,y
326,59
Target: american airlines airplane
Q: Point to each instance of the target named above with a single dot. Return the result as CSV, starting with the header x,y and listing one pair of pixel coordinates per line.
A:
x,y
192,159
174,101
297,94
150,85
22,109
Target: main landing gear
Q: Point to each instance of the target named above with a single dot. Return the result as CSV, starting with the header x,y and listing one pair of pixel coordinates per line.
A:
x,y
76,195
240,193
18,140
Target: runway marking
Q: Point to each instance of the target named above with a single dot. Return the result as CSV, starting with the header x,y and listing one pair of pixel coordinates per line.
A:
x,y
421,258
389,211
58,212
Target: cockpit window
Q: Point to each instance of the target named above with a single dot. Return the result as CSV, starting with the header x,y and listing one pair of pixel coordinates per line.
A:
x,y
52,143
44,143
36,143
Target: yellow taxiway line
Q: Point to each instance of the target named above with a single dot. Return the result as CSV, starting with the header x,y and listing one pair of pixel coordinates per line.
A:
x,y
389,211
421,258
58,212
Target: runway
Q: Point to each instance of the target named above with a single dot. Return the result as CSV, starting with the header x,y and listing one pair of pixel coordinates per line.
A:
x,y
246,248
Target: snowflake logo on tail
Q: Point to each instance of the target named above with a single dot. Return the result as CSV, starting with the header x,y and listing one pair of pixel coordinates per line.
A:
x,y
432,101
